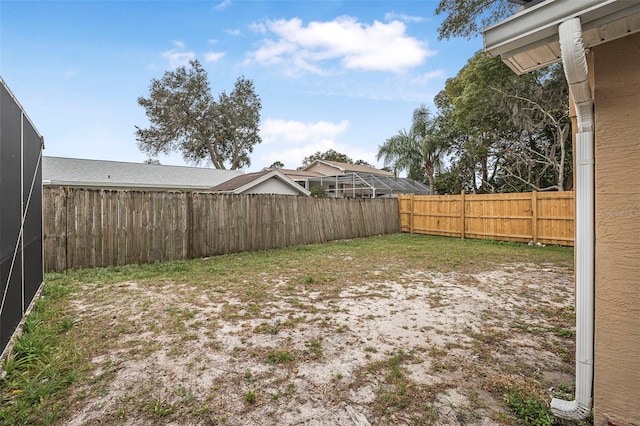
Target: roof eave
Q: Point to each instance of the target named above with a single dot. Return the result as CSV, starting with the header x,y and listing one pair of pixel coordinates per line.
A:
x,y
528,40
121,185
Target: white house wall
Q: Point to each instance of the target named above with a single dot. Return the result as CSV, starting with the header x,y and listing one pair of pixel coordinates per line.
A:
x,y
272,186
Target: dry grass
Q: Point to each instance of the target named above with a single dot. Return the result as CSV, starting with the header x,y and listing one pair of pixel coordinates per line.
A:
x,y
400,329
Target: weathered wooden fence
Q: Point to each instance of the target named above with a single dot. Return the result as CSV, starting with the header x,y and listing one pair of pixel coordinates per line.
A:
x,y
88,228
545,217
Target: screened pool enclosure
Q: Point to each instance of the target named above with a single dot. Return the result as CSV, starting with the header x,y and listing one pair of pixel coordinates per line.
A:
x,y
367,185
20,214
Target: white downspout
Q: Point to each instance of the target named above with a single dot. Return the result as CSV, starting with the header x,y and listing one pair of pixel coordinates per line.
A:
x,y
576,71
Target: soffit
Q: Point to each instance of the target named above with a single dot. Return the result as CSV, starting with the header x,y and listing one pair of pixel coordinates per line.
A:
x,y
529,39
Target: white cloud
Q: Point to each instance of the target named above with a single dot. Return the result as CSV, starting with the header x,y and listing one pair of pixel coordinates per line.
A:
x,y
258,27
292,156
393,16
213,56
299,132
235,32
290,141
357,46
177,59
223,5
426,77
272,52
178,56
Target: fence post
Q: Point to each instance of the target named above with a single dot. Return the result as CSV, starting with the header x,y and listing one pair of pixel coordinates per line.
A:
x,y
462,220
66,228
189,225
411,210
399,200
534,216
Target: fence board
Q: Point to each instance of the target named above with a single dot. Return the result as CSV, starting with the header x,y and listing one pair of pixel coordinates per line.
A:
x,y
540,217
88,228
54,220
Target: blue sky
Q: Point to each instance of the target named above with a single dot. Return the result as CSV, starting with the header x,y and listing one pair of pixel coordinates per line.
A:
x,y
342,75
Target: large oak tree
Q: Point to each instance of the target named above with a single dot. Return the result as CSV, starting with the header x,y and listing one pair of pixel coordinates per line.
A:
x,y
185,117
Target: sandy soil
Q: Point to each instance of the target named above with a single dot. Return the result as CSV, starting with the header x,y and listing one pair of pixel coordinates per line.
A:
x,y
171,353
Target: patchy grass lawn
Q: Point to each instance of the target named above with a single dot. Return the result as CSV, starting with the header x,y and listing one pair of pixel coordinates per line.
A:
x,y
393,330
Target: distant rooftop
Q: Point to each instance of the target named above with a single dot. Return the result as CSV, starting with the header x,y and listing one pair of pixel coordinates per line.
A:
x,y
297,174
349,168
262,182
101,174
238,181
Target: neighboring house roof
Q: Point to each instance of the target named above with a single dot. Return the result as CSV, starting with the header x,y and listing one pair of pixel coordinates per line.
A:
x,y
528,40
102,174
263,182
298,174
348,168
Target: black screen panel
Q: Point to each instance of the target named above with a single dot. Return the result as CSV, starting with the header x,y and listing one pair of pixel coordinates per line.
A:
x,y
20,214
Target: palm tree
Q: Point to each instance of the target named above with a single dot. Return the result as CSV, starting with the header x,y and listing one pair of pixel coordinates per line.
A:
x,y
418,150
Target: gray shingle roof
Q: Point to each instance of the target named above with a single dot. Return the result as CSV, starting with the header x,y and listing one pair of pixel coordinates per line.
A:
x,y
238,181
114,174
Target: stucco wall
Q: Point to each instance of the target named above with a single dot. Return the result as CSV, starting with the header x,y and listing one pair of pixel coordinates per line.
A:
x,y
616,70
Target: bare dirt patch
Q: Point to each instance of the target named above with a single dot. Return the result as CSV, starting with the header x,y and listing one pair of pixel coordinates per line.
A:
x,y
410,348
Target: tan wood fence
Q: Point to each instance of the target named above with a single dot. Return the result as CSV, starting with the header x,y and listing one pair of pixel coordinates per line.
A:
x,y
544,217
89,228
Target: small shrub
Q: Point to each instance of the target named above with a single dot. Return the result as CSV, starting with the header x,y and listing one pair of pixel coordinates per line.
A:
x,y
319,192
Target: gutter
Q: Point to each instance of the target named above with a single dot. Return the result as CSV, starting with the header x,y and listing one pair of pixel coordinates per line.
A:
x,y
576,71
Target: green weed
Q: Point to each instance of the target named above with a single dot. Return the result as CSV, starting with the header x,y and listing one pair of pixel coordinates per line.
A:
x,y
279,357
528,408
398,394
315,348
268,328
159,408
250,397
